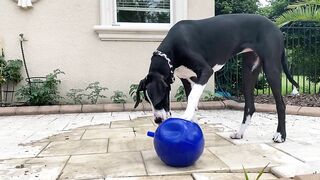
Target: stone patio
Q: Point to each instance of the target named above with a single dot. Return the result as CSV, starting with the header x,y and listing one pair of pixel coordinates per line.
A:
x,y
115,146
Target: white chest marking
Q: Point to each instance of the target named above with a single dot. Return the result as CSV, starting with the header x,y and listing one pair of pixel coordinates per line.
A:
x,y
217,67
245,50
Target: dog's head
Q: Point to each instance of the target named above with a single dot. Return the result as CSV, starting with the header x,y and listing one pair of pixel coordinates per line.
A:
x,y
156,92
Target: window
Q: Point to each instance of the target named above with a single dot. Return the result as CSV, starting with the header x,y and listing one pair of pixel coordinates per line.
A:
x,y
139,20
143,11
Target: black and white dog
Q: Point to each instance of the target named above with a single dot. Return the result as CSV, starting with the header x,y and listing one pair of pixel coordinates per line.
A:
x,y
195,49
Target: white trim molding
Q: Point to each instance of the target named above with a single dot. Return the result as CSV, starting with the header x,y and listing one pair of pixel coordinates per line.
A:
x,y
109,30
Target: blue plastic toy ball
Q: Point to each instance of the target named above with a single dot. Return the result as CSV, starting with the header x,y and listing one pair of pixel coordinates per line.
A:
x,y
178,142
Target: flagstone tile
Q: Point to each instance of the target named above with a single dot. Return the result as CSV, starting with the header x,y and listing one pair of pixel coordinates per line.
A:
x,y
32,168
142,131
60,148
60,136
104,165
207,162
130,144
253,157
139,122
181,177
309,152
212,139
291,170
108,133
231,176
14,150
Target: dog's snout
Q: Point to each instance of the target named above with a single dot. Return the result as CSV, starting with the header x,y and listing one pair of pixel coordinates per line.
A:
x,y
158,120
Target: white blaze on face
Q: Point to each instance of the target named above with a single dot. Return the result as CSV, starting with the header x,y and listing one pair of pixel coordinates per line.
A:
x,y
158,113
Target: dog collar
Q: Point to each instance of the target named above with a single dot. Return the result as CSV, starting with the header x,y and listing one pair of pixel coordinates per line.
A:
x,y
159,53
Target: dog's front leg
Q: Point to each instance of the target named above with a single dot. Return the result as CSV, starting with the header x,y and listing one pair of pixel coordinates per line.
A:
x,y
193,100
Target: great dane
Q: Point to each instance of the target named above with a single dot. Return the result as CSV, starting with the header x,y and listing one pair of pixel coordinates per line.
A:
x,y
195,49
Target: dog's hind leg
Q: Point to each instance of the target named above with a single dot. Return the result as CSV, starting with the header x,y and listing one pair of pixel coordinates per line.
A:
x,y
187,86
251,69
272,70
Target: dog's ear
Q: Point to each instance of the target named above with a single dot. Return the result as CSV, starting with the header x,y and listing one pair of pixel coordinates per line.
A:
x,y
156,90
141,87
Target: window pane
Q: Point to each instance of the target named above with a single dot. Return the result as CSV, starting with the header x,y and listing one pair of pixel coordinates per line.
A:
x,y
143,11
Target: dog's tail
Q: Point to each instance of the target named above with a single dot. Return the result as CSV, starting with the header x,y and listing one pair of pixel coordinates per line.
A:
x,y
284,63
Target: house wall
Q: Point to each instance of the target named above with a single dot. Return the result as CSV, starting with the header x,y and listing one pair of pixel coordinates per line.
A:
x,y
60,35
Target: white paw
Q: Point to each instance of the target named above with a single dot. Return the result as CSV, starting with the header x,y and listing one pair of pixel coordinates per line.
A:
x,y
277,137
236,135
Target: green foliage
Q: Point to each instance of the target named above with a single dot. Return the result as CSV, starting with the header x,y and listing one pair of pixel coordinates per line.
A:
x,y
230,77
301,13
262,82
92,92
133,92
180,94
210,96
118,97
95,93
41,92
76,95
12,70
3,63
231,6
259,175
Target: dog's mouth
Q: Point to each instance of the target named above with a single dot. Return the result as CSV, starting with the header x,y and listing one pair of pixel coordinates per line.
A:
x,y
160,116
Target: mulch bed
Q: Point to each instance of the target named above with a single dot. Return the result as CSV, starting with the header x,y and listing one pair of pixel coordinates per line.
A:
x,y
308,100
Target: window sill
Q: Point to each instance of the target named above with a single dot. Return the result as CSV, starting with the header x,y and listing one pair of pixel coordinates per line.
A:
x,y
118,33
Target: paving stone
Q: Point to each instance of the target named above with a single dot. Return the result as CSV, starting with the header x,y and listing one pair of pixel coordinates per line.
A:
x,y
265,107
307,177
49,109
211,105
142,131
33,168
292,110
11,149
61,148
309,152
214,128
130,144
207,162
252,156
70,109
291,170
176,106
113,107
91,108
181,177
233,105
108,133
309,111
7,111
212,139
65,135
132,123
27,110
231,176
104,166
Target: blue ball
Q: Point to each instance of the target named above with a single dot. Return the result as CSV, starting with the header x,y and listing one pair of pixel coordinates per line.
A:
x,y
178,142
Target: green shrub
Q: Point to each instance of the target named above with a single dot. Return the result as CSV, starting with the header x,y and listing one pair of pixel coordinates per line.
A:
x,y
118,97
76,95
95,93
41,92
133,93
180,94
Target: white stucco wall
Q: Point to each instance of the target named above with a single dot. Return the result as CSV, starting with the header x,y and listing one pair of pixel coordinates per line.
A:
x,y
60,35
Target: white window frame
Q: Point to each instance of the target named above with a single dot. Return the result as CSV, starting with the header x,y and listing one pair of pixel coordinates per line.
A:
x,y
110,30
